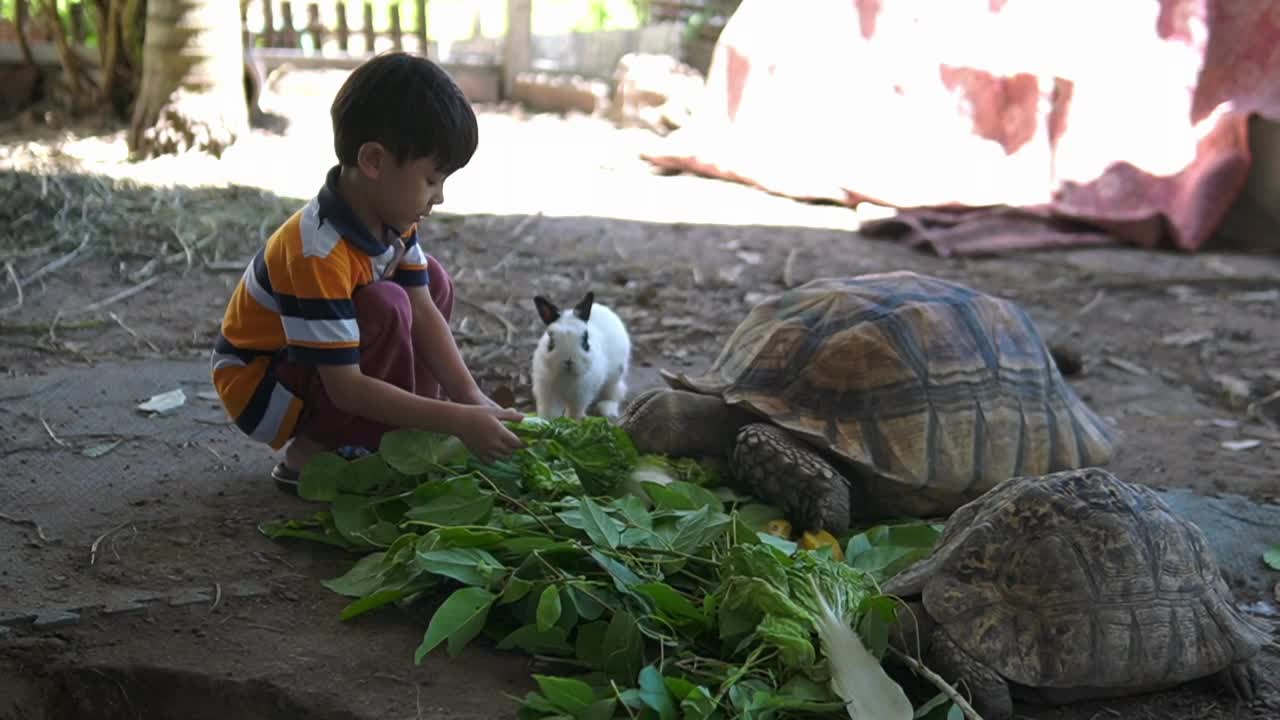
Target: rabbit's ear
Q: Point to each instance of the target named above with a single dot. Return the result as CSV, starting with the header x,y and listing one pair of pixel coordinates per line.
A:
x,y
583,308
546,309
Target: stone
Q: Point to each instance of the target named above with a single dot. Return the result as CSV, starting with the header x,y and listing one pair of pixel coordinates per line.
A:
x,y
16,617
244,588
1239,531
190,597
54,617
122,607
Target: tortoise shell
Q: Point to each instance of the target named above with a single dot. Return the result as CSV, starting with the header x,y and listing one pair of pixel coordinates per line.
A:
x,y
917,380
1081,579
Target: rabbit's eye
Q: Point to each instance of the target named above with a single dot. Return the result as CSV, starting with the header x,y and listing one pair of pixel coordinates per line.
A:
x,y
551,343
586,344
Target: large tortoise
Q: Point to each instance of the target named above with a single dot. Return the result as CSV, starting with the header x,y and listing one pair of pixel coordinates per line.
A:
x,y
874,396
1073,586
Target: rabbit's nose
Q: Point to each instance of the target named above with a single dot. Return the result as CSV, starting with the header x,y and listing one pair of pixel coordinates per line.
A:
x,y
568,364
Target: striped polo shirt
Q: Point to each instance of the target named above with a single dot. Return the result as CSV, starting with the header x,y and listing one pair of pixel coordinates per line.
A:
x,y
294,301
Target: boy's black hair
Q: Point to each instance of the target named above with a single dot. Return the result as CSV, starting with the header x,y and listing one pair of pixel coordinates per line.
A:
x,y
410,105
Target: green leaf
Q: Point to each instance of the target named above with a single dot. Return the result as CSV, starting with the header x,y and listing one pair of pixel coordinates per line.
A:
x,y
355,517
585,602
679,687
887,560
378,599
935,709
298,529
459,619
786,546
791,637
602,529
757,516
461,537
877,615
1272,558
367,474
640,537
600,710
537,702
654,693
568,694
516,588
802,688
678,495
623,651
623,577
920,535
698,705
528,543
416,452
634,511
470,566
589,645
552,641
365,576
549,607
886,550
454,510
699,527
674,606
321,477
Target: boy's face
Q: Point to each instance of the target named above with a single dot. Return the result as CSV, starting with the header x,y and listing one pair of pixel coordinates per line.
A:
x,y
402,193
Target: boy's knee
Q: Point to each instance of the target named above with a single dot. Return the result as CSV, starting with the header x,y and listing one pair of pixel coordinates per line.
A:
x,y
437,276
440,285
383,299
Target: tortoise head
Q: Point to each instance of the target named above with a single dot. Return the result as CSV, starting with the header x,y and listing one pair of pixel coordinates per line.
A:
x,y
681,423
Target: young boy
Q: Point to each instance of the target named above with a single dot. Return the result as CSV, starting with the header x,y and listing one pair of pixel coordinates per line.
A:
x,y
338,331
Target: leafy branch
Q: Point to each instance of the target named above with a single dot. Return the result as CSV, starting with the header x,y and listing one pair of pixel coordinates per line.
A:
x,y
664,593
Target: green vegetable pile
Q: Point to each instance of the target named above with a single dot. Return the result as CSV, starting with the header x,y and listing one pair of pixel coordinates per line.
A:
x,y
653,587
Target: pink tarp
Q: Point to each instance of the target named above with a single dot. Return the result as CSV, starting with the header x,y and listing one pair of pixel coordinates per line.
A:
x,y
993,124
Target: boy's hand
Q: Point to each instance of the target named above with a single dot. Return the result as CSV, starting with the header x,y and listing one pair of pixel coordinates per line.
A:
x,y
482,431
476,397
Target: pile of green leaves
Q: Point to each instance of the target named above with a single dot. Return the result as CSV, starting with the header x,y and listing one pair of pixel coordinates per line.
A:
x,y
657,599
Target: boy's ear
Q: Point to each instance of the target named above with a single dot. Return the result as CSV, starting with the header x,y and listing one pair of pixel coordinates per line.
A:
x,y
370,158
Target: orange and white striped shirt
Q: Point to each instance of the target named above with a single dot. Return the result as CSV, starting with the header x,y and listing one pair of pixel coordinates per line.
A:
x,y
294,301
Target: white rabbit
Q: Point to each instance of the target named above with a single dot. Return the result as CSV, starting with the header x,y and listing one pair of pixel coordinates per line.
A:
x,y
582,359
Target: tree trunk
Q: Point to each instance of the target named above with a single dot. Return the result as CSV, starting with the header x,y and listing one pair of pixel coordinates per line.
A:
x,y
192,95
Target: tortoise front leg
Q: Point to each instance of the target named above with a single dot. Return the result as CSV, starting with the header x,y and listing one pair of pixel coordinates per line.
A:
x,y
990,692
1240,680
784,472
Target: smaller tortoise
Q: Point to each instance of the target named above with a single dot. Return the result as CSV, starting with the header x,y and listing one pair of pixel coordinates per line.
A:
x,y
875,396
1073,586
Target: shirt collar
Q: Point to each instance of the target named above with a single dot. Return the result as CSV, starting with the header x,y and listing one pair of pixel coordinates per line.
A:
x,y
338,212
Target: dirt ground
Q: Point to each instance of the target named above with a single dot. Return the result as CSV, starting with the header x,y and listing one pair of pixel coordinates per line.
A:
x,y
1174,349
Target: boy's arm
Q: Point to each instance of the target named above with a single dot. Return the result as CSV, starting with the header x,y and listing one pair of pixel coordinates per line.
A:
x,y
480,429
318,319
434,343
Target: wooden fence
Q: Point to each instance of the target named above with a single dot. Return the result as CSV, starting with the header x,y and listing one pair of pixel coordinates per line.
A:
x,y
334,30
341,33
329,26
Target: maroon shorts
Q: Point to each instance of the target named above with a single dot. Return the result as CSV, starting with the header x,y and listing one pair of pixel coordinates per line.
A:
x,y
385,318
